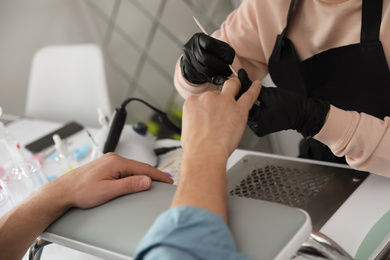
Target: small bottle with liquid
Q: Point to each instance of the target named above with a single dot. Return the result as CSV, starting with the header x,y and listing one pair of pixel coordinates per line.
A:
x,y
65,158
10,149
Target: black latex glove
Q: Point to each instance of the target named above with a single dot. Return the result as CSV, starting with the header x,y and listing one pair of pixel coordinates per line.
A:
x,y
206,59
282,110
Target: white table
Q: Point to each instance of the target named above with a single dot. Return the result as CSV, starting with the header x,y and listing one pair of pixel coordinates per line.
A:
x,y
348,226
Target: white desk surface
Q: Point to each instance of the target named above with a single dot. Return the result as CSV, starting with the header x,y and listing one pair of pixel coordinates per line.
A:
x,y
348,226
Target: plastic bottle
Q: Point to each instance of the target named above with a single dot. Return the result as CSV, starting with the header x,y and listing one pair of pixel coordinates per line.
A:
x,y
10,149
10,154
5,157
101,136
65,158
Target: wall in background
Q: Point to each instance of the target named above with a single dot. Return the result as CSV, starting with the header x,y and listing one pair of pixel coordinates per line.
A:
x,y
25,27
141,40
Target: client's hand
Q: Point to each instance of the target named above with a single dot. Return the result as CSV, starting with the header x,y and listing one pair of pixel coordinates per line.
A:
x,y
212,127
87,186
215,121
104,179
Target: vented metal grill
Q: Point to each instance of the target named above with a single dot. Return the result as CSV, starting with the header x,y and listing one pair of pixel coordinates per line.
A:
x,y
289,186
318,189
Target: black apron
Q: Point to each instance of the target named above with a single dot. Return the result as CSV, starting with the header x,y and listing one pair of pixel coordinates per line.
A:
x,y
354,77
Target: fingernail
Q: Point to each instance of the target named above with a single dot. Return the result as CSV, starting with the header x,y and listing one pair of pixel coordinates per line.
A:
x,y
144,182
170,176
257,82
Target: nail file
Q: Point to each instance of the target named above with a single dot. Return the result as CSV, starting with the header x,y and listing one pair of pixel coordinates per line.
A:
x,y
204,31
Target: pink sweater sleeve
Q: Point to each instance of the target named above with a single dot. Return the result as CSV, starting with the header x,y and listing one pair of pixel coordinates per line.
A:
x,y
185,88
363,139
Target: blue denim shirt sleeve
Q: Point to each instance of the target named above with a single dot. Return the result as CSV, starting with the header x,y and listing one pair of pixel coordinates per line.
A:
x,y
188,233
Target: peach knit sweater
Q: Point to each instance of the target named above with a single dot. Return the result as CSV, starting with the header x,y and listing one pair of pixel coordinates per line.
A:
x,y
315,26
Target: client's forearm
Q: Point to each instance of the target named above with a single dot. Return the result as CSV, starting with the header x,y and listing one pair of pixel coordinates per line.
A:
x,y
202,182
22,225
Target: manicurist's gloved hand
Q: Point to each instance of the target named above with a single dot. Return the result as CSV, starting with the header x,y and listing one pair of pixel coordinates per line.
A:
x,y
206,59
282,110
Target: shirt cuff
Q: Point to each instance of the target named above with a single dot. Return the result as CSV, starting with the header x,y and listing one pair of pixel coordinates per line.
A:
x,y
338,128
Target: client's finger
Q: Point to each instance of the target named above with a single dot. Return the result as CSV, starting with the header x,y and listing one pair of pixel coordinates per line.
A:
x,y
231,87
126,167
248,98
127,185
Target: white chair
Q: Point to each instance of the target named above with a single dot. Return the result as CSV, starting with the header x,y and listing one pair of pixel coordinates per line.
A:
x,y
68,83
